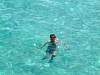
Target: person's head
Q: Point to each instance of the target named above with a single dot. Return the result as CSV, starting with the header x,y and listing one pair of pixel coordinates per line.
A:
x,y
52,37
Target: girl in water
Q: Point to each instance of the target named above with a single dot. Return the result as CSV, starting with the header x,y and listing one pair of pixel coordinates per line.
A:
x,y
51,49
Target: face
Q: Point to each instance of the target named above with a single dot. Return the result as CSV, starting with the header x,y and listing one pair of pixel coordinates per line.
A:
x,y
52,38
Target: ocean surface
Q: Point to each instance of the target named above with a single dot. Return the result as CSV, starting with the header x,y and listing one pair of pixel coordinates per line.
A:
x,y
25,25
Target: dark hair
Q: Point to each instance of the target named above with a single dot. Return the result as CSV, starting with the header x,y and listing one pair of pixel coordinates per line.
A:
x,y
52,35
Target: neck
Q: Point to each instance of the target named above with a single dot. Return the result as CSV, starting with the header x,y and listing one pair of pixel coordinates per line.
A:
x,y
52,40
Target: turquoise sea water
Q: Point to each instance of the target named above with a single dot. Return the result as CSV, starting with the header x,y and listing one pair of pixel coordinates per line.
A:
x,y
26,24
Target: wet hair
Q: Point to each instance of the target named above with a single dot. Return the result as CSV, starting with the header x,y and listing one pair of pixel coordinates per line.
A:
x,y
52,35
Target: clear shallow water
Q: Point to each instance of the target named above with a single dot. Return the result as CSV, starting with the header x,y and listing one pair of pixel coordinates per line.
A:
x,y
26,25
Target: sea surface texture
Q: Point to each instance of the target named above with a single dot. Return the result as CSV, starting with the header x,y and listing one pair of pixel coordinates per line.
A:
x,y
25,25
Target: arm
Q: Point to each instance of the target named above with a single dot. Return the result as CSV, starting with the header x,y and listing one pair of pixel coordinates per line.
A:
x,y
58,42
63,44
44,45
